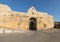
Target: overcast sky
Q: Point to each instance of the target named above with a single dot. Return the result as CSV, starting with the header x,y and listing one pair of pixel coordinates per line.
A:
x,y
52,7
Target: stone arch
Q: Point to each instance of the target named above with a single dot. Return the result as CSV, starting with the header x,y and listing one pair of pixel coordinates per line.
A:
x,y
32,24
44,25
18,26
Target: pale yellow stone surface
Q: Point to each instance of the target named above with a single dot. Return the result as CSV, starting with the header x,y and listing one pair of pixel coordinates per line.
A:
x,y
20,20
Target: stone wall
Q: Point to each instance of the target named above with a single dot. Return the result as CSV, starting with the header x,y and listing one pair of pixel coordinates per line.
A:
x,y
20,20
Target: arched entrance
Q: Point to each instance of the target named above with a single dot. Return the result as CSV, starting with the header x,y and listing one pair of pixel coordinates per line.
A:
x,y
32,24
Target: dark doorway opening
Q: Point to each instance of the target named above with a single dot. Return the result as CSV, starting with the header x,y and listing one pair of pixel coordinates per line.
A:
x,y
32,24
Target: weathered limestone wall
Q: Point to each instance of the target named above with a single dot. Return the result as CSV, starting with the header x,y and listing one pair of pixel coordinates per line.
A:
x,y
20,20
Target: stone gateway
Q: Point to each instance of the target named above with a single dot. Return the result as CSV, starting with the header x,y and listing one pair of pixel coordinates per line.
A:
x,y
30,20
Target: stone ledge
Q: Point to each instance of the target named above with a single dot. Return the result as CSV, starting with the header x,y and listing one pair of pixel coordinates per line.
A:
x,y
4,30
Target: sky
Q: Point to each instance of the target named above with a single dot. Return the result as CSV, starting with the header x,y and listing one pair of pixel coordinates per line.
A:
x,y
52,7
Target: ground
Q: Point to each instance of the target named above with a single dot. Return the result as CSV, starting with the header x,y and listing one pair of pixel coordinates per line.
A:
x,y
52,35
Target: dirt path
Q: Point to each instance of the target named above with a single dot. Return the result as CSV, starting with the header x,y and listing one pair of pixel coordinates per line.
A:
x,y
32,36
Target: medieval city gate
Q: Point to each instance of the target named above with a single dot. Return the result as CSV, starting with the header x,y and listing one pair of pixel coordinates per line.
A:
x,y
32,24
30,20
